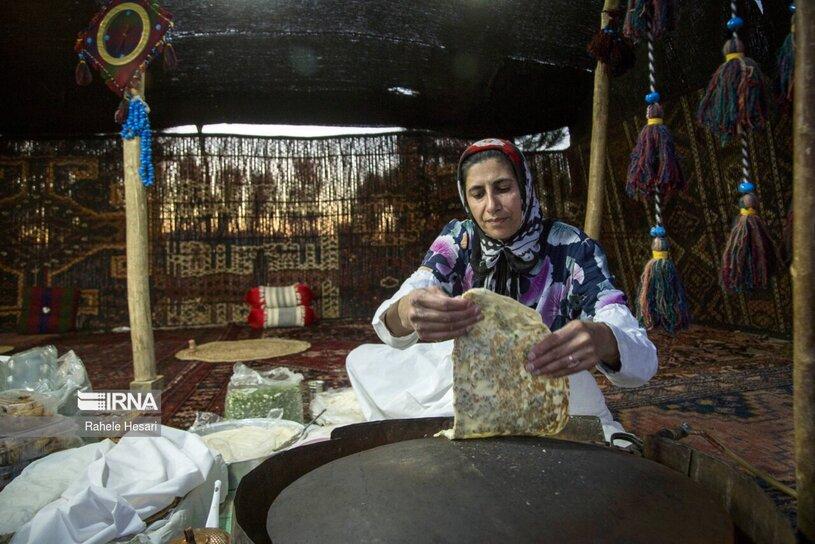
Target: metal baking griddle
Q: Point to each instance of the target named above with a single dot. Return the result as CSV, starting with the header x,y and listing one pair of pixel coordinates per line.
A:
x,y
495,490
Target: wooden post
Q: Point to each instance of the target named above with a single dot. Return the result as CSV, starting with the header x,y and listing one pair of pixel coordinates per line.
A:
x,y
138,270
599,128
803,266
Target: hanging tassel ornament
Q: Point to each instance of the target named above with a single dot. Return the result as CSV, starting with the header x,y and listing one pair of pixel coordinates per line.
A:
x,y
736,97
750,256
655,171
786,65
611,48
170,60
168,52
654,167
736,102
642,16
137,124
661,299
82,74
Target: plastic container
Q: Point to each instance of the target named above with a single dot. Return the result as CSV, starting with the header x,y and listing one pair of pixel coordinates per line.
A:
x,y
239,469
27,439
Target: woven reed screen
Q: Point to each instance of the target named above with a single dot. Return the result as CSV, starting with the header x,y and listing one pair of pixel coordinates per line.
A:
x,y
350,216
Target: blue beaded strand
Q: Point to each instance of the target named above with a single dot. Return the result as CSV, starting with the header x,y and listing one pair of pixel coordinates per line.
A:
x,y
138,124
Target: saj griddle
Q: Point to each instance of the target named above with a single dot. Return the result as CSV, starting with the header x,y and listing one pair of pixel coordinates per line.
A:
x,y
393,482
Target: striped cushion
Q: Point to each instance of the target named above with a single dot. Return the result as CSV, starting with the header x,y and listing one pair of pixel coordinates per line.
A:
x,y
49,310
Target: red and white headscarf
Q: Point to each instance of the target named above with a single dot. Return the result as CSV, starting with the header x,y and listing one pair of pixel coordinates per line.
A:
x,y
497,264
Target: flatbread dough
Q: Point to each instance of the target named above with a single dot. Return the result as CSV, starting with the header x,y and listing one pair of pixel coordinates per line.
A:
x,y
249,442
493,393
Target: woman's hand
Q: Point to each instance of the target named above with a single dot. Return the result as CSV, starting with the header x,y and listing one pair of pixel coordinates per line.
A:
x,y
579,345
435,316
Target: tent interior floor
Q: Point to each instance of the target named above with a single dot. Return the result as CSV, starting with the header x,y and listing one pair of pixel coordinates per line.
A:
x,y
733,384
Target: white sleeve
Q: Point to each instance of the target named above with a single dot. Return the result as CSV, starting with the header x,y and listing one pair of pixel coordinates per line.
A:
x,y
638,355
423,277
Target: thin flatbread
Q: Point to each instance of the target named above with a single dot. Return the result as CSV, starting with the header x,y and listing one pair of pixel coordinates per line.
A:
x,y
493,393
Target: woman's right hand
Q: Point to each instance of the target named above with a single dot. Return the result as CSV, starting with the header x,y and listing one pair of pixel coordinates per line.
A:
x,y
435,316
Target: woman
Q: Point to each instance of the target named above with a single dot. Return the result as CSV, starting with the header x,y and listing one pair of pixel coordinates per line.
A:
x,y
507,246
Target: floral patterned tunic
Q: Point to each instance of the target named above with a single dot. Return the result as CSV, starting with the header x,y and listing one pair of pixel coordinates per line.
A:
x,y
570,281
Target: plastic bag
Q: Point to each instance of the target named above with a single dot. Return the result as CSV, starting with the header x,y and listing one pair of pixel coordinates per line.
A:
x,y
71,377
33,370
251,393
203,419
340,405
39,370
25,439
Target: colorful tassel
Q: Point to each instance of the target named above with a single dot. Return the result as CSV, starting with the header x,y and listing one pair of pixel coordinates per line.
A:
x,y
654,172
736,98
660,13
611,48
608,47
750,256
654,166
786,65
82,74
170,60
661,300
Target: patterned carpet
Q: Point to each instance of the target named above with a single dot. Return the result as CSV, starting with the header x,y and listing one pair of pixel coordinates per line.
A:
x,y
734,384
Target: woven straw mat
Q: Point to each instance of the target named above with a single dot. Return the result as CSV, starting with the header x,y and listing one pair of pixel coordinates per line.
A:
x,y
242,350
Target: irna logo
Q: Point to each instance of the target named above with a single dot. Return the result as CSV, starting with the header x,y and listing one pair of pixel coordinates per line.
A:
x,y
111,401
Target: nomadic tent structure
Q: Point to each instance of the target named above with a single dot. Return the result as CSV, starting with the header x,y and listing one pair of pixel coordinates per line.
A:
x,y
448,71
460,68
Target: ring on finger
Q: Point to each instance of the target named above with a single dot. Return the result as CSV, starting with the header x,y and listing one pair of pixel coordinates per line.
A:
x,y
573,362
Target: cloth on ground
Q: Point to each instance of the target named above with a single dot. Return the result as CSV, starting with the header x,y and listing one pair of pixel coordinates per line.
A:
x,y
122,486
42,482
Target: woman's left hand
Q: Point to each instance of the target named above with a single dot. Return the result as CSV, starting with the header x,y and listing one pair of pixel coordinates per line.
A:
x,y
579,345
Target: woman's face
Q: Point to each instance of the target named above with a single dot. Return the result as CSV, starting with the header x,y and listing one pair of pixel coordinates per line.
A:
x,y
494,198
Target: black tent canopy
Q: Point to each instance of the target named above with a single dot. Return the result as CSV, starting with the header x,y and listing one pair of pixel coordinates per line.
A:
x,y
465,67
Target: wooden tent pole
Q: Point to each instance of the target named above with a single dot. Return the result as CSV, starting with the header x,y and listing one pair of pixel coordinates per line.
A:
x,y
599,128
803,266
138,269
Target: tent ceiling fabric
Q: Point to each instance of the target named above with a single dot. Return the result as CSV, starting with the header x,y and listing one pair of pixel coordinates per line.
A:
x,y
475,67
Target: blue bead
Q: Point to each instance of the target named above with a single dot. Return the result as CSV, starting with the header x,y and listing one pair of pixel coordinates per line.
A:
x,y
746,187
107,37
792,8
652,97
658,231
735,23
89,40
158,27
